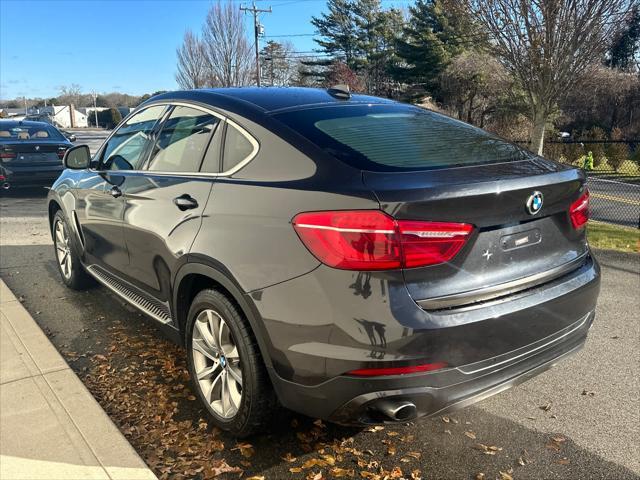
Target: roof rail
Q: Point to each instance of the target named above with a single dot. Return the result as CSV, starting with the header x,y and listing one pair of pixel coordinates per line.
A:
x,y
341,91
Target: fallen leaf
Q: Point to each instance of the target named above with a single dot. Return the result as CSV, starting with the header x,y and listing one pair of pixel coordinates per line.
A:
x,y
295,470
563,461
375,428
448,431
223,467
289,458
470,435
487,449
256,477
416,475
480,476
546,407
369,475
246,449
505,476
342,472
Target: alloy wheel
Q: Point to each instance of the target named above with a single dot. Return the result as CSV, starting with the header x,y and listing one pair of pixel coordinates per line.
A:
x,y
217,363
63,249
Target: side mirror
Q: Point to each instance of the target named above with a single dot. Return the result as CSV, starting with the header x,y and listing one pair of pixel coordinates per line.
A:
x,y
77,158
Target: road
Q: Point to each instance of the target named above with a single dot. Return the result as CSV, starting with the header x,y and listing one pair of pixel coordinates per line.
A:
x,y
615,202
139,378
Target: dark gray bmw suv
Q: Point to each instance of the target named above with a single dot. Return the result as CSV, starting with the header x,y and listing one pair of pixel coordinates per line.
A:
x,y
356,259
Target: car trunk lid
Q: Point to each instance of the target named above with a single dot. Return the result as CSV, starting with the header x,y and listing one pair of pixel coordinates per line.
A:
x,y
32,154
510,248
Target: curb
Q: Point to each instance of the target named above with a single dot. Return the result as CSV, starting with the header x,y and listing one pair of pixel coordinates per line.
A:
x,y
51,427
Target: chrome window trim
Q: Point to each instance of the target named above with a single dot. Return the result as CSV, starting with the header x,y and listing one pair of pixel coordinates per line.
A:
x,y
254,143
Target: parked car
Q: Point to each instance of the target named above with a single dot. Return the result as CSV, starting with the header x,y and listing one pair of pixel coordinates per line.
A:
x,y
31,153
356,259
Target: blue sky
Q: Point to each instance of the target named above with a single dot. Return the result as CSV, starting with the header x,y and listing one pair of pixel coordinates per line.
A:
x,y
123,45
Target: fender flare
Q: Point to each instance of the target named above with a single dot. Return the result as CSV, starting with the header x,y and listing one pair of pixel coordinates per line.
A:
x,y
226,280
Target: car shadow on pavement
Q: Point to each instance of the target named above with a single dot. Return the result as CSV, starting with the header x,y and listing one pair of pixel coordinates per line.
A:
x,y
140,379
30,193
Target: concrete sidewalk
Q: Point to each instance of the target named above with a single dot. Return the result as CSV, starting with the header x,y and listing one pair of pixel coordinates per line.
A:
x,y
50,425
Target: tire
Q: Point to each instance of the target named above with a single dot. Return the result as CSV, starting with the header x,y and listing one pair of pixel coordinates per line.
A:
x,y
71,270
250,403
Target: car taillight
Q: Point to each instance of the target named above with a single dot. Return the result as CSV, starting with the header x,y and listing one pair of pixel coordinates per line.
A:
x,y
61,152
579,211
6,154
372,240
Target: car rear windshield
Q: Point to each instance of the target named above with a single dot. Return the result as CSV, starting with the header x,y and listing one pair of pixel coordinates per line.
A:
x,y
16,132
398,137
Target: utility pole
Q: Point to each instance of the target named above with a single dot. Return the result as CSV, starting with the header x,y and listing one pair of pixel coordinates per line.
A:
x,y
95,108
256,33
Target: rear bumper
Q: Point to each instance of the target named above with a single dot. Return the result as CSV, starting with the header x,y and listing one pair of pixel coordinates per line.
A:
x,y
488,348
31,177
352,401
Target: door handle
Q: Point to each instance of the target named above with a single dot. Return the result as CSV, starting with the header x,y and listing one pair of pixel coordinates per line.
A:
x,y
185,202
115,192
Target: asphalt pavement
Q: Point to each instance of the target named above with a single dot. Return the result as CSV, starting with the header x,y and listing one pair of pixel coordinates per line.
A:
x,y
580,420
615,202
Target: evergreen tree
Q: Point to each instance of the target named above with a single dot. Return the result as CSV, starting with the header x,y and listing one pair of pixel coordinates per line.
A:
x,y
437,31
277,64
625,50
362,35
337,31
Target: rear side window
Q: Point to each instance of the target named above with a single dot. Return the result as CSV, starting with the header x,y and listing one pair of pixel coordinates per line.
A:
x,y
237,148
183,140
398,137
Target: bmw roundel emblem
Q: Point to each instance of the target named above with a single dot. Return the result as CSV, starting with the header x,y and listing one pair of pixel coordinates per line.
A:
x,y
534,202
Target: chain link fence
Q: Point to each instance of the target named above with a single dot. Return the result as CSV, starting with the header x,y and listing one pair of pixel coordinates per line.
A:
x,y
614,201
613,175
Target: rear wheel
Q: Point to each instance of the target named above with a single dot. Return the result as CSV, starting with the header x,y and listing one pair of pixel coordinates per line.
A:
x,y
67,259
225,365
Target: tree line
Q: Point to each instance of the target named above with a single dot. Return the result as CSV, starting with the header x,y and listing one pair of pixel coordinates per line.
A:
x,y
521,69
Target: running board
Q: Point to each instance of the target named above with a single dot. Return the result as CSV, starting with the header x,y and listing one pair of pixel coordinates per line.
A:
x,y
157,310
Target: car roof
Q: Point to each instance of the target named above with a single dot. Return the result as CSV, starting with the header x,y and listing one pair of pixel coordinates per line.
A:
x,y
25,123
268,99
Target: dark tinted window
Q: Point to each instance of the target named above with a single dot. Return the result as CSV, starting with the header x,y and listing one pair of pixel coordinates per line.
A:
x,y
183,140
398,137
125,149
237,148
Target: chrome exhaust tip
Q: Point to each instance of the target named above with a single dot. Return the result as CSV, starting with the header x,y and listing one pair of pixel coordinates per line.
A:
x,y
397,410
6,186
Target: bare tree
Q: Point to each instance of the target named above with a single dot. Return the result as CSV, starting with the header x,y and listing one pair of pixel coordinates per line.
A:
x,y
192,64
70,94
547,45
228,55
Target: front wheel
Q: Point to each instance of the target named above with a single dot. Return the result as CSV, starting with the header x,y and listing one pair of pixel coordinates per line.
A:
x,y
68,261
225,365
